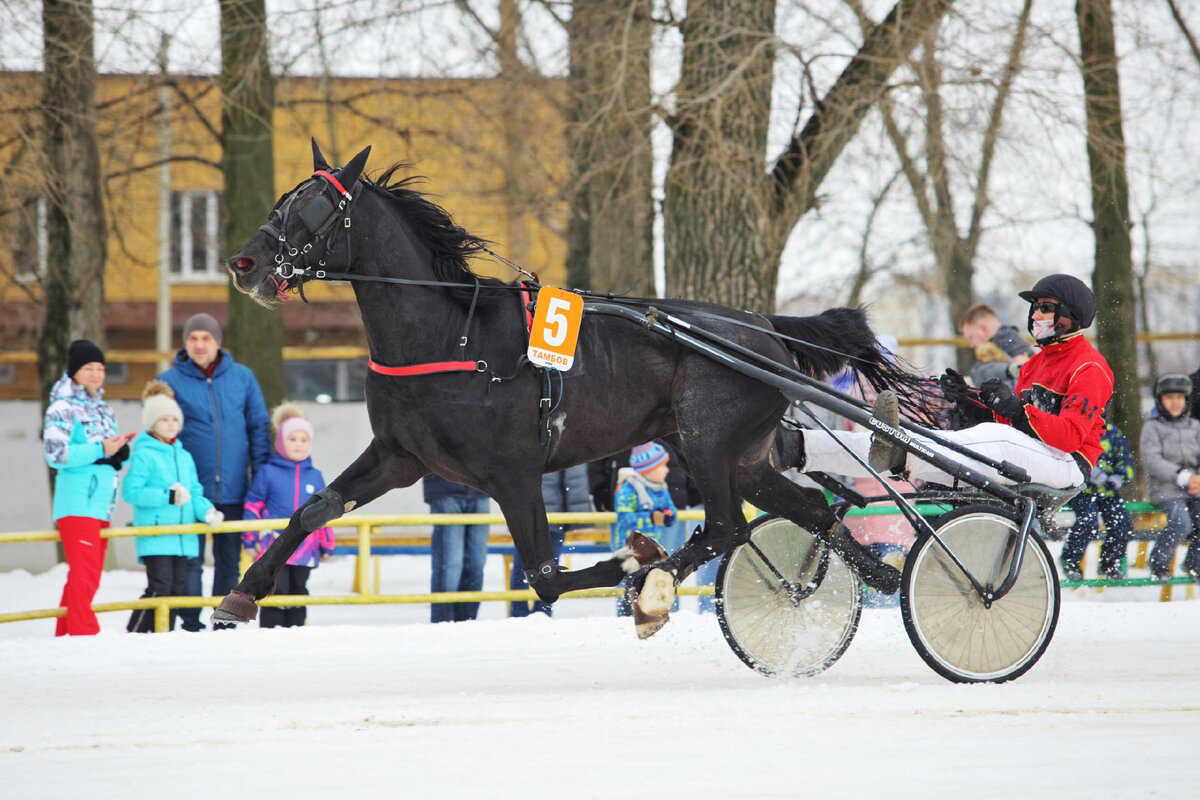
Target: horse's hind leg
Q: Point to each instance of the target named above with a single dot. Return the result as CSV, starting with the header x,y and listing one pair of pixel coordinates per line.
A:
x,y
772,492
372,474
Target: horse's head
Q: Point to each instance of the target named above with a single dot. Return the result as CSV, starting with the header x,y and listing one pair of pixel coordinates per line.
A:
x,y
302,232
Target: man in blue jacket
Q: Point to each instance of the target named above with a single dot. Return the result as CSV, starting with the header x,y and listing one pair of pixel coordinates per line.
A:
x,y
228,434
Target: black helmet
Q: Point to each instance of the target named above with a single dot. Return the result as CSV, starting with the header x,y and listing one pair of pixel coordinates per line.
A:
x,y
1180,384
1076,303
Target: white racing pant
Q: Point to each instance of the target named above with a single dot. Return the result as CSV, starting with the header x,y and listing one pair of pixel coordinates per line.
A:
x,y
1045,464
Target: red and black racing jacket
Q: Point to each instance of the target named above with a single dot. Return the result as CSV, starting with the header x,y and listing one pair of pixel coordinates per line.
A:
x,y
1066,387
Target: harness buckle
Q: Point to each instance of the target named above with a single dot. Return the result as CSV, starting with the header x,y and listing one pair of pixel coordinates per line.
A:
x,y
345,222
321,273
481,366
285,270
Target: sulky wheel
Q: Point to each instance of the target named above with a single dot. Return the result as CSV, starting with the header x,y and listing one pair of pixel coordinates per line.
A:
x,y
787,604
960,636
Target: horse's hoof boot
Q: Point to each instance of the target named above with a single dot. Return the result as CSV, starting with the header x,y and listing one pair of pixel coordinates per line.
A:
x,y
639,551
645,550
657,594
236,607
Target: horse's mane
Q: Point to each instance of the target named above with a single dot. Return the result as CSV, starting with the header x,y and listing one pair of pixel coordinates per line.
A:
x,y
452,246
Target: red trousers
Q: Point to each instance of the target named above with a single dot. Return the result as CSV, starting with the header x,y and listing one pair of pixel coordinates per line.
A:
x,y
85,561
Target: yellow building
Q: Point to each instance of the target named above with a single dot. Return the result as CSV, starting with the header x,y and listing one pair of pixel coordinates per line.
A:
x,y
493,156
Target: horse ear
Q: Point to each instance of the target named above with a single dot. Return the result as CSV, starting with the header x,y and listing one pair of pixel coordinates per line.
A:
x,y
349,173
318,159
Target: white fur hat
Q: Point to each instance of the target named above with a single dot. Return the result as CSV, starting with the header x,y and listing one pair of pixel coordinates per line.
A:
x,y
158,401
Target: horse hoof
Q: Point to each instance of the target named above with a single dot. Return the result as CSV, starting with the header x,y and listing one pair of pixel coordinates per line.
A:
x,y
640,551
645,625
236,607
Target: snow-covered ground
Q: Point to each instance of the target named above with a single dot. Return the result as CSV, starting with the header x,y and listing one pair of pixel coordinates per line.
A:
x,y
375,701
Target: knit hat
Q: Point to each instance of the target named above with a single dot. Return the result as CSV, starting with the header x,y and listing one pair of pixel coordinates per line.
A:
x,y
287,419
81,352
1008,339
202,322
158,401
646,457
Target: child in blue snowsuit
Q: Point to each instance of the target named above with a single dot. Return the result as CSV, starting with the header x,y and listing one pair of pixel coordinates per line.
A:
x,y
163,488
643,503
1100,498
280,487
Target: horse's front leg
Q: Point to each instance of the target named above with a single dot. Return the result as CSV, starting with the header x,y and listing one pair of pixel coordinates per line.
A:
x,y
372,474
525,513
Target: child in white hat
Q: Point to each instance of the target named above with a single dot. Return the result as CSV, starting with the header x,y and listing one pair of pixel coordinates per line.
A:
x,y
163,488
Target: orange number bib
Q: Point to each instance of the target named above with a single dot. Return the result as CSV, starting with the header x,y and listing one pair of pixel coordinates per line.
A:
x,y
555,328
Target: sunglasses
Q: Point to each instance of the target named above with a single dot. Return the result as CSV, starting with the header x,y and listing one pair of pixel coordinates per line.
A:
x,y
1046,307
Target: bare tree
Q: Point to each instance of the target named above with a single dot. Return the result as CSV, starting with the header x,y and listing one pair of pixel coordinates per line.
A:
x,y
254,334
1113,277
73,288
726,223
954,251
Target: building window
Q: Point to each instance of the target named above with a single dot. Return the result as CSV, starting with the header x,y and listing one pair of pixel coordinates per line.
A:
x,y
116,373
30,241
196,236
326,380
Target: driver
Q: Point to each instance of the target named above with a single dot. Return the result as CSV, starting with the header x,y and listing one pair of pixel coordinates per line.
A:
x,y
1050,425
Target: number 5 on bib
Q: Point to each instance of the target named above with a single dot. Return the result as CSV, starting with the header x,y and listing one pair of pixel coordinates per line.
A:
x,y
555,328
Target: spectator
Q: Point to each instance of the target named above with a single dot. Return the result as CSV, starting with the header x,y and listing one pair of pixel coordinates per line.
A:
x,y
280,487
81,442
459,551
563,491
163,488
1099,499
228,435
1171,455
643,501
999,349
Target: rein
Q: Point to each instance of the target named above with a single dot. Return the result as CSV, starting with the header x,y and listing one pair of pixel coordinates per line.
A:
x,y
321,216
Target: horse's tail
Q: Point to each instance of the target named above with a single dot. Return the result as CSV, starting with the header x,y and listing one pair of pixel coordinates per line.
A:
x,y
837,338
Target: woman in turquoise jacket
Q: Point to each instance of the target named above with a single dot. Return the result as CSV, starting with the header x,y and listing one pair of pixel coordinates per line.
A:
x,y
80,441
163,488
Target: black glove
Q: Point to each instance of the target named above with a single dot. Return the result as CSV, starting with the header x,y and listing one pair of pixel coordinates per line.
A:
x,y
116,459
1001,400
954,386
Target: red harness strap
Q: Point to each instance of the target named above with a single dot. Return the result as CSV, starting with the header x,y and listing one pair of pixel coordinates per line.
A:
x,y
329,177
424,369
443,366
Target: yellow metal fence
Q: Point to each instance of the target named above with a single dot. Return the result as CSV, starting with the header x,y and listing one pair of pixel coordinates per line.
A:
x,y
365,589
367,528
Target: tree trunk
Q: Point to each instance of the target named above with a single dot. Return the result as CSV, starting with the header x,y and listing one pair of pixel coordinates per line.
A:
x,y
610,229
715,208
73,287
725,223
1116,322
254,334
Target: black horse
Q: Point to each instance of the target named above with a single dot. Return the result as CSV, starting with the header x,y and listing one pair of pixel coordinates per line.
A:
x,y
493,421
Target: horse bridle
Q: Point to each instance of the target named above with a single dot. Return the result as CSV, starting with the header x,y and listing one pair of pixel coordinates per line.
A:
x,y
321,217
